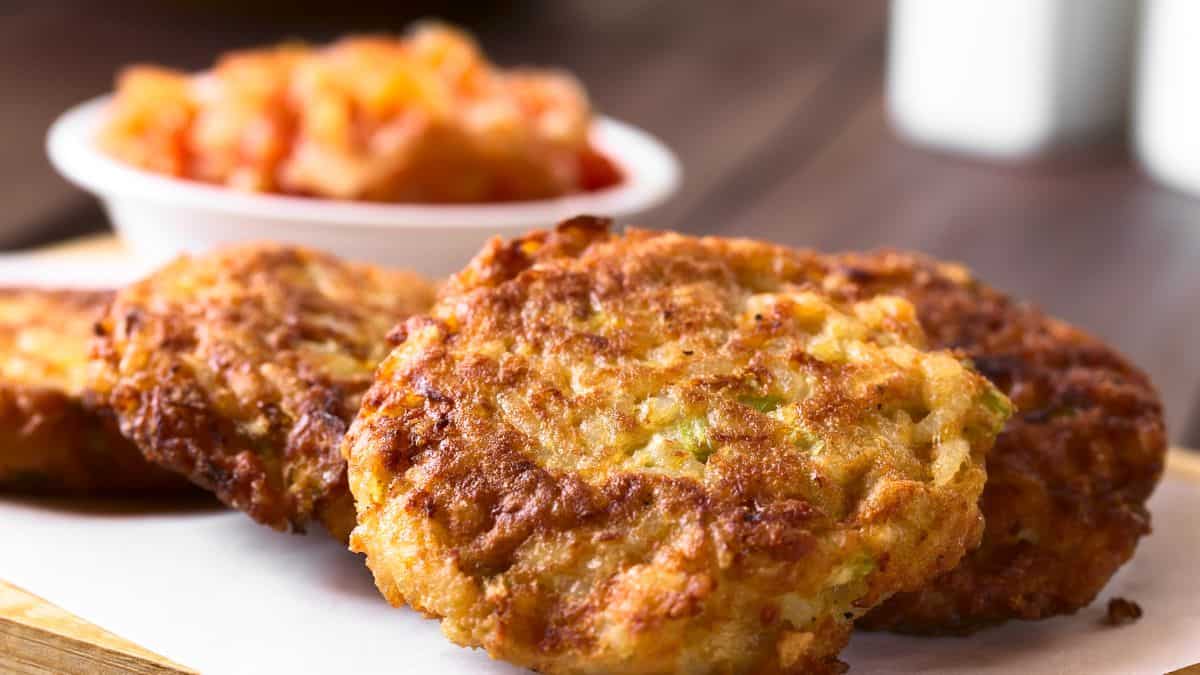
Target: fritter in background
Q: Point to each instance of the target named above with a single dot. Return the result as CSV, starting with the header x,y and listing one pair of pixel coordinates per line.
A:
x,y
1068,479
49,444
242,368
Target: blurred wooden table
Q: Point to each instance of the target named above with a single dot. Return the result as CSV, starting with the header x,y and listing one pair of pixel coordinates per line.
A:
x,y
775,109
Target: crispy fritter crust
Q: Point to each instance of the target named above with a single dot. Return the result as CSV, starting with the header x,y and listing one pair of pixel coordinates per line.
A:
x,y
49,444
654,453
242,368
1068,479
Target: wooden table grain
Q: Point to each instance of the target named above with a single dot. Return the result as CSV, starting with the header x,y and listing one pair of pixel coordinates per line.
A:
x,y
776,110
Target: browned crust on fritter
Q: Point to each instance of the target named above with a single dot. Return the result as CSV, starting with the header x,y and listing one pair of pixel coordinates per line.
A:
x,y
1068,478
531,560
242,368
49,444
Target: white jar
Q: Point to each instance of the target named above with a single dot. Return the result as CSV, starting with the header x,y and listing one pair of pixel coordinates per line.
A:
x,y
1010,78
1167,127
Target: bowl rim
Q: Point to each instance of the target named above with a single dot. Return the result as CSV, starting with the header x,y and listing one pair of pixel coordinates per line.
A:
x,y
652,174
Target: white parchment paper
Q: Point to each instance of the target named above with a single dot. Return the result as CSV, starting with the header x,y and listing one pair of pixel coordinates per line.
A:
x,y
211,590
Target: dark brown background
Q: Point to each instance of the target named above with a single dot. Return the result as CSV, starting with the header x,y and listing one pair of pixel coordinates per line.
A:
x,y
775,109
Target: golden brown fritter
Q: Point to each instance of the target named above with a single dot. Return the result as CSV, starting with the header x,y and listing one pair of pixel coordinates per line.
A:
x,y
1070,474
49,444
655,453
242,368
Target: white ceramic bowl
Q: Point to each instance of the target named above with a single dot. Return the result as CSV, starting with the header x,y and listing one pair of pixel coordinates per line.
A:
x,y
159,216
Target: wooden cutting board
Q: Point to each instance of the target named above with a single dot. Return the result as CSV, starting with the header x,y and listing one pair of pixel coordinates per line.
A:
x,y
104,246
39,638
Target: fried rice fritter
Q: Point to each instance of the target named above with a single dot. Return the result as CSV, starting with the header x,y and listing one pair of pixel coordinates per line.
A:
x,y
1068,478
49,444
242,368
655,453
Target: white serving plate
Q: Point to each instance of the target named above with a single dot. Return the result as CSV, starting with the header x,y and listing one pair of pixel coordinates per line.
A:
x,y
159,216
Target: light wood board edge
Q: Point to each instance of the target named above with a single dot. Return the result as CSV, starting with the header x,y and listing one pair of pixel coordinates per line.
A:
x,y
1184,464
93,246
38,638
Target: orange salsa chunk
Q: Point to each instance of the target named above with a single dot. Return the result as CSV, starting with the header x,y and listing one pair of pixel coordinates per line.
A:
x,y
423,118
